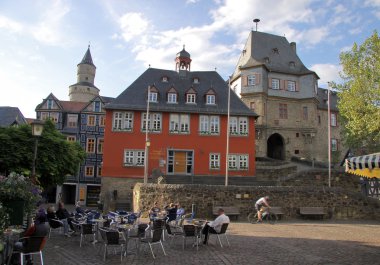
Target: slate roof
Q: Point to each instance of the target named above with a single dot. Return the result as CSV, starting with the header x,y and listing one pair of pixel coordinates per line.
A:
x,y
87,58
72,106
322,98
183,53
10,116
107,99
135,96
271,51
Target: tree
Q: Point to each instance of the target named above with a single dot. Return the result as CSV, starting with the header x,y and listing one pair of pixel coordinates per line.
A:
x,y
359,94
56,157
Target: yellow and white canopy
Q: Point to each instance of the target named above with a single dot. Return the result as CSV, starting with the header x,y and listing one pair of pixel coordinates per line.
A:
x,y
366,166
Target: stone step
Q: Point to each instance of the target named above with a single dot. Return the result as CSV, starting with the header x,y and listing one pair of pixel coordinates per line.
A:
x,y
217,180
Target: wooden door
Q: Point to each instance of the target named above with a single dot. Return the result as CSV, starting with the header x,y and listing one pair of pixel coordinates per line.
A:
x,y
180,162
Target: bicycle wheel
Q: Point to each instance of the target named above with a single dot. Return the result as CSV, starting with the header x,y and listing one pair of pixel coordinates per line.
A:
x,y
272,218
252,217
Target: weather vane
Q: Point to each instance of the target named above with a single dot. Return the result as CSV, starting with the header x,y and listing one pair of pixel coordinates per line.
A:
x,y
256,20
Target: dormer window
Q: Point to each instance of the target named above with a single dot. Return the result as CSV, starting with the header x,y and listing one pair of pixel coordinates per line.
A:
x,y
266,60
50,103
190,98
172,97
292,64
152,97
97,107
210,99
196,80
164,79
275,51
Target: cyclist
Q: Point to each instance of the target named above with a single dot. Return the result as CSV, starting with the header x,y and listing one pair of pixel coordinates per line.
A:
x,y
263,201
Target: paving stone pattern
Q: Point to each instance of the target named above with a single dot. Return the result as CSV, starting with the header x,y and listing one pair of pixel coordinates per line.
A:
x,y
286,242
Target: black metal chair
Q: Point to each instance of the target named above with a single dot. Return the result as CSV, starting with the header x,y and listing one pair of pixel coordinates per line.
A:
x,y
190,231
172,232
223,231
155,239
112,238
159,224
55,224
32,246
142,229
86,229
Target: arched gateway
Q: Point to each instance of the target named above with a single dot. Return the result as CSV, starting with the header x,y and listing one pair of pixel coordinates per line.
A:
x,y
276,147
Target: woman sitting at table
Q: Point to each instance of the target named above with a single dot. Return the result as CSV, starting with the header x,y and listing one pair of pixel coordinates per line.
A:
x,y
180,211
171,209
52,218
154,211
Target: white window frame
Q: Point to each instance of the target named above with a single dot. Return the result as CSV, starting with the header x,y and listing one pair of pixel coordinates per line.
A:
x,y
214,124
44,116
94,106
49,104
291,86
243,125
275,83
251,80
154,122
134,158
209,125
196,80
204,124
152,97
70,120
210,100
87,145
191,98
88,120
172,98
333,120
214,161
334,145
233,126
238,162
122,121
179,123
239,126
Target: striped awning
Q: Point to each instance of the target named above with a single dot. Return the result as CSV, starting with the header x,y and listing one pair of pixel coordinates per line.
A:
x,y
365,166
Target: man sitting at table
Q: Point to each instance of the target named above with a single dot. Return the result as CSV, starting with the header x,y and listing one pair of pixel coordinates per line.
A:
x,y
215,226
171,210
154,211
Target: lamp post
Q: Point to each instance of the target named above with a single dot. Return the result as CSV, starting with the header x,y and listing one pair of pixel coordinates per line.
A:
x,y
329,130
228,130
147,141
37,128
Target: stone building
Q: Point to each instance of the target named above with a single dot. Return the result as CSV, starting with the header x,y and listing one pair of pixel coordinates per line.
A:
x,y
272,80
187,127
81,119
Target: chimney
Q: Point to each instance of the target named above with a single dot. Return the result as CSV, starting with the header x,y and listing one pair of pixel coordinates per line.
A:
x,y
293,46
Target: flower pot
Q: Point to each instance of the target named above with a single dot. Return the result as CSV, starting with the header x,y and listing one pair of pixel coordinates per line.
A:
x,y
15,209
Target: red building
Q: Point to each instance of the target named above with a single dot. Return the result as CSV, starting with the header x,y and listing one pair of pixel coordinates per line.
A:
x,y
187,126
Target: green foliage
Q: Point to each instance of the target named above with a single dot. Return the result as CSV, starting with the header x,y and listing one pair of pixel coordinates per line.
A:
x,y
359,95
4,219
56,157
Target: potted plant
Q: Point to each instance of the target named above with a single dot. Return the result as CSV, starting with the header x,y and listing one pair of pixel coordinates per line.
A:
x,y
19,196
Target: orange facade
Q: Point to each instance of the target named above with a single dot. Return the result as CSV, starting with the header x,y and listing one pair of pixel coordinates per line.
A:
x,y
177,148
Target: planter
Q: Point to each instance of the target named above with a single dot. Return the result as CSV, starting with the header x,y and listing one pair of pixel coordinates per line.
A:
x,y
15,209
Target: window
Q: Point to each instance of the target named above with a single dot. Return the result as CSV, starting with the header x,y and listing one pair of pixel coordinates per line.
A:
x,y
214,161
291,86
54,116
154,122
134,158
179,123
251,80
152,97
319,119
102,121
233,125
210,99
238,162
305,113
97,106
91,120
99,171
252,106
100,145
190,98
209,124
238,126
71,138
334,145
164,79
297,135
283,109
44,116
122,121
296,152
89,171
196,80
90,146
72,120
50,103
172,98
333,119
275,83
243,126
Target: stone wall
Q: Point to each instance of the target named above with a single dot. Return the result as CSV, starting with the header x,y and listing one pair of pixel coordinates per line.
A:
x,y
339,203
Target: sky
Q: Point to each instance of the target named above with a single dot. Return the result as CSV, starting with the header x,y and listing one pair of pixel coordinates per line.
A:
x,y
42,41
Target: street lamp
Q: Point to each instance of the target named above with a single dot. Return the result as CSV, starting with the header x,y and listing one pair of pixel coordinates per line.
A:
x,y
37,128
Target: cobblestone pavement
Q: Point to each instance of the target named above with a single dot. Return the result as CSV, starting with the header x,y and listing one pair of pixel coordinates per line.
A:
x,y
287,242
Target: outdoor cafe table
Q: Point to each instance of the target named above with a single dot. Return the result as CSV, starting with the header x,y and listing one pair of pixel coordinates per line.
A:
x,y
97,223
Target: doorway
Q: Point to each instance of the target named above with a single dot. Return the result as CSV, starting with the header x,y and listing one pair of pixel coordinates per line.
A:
x,y
180,162
275,147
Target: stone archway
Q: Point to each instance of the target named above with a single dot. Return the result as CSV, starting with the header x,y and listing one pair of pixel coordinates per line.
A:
x,y
276,147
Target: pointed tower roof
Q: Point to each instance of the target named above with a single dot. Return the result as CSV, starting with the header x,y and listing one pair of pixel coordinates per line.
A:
x,y
87,58
271,51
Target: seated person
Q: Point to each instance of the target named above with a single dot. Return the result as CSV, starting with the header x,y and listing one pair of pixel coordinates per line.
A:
x,y
51,216
180,211
154,211
38,228
62,214
78,209
171,209
215,226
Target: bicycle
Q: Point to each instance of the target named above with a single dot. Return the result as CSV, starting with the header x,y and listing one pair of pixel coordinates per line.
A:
x,y
266,216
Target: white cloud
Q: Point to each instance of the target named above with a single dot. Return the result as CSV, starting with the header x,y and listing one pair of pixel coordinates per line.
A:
x,y
132,25
327,73
191,1
9,24
376,5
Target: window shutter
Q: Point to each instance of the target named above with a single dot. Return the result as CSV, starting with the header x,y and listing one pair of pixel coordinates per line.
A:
x,y
257,79
283,83
297,86
244,80
270,82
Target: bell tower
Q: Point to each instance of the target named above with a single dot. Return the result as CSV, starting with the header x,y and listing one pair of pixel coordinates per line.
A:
x,y
84,90
183,62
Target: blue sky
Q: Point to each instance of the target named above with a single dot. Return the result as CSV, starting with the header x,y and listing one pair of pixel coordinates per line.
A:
x,y
42,41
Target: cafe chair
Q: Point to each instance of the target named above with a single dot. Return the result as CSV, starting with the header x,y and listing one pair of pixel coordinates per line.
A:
x,y
154,240
32,246
172,232
190,231
112,239
223,231
55,224
85,230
